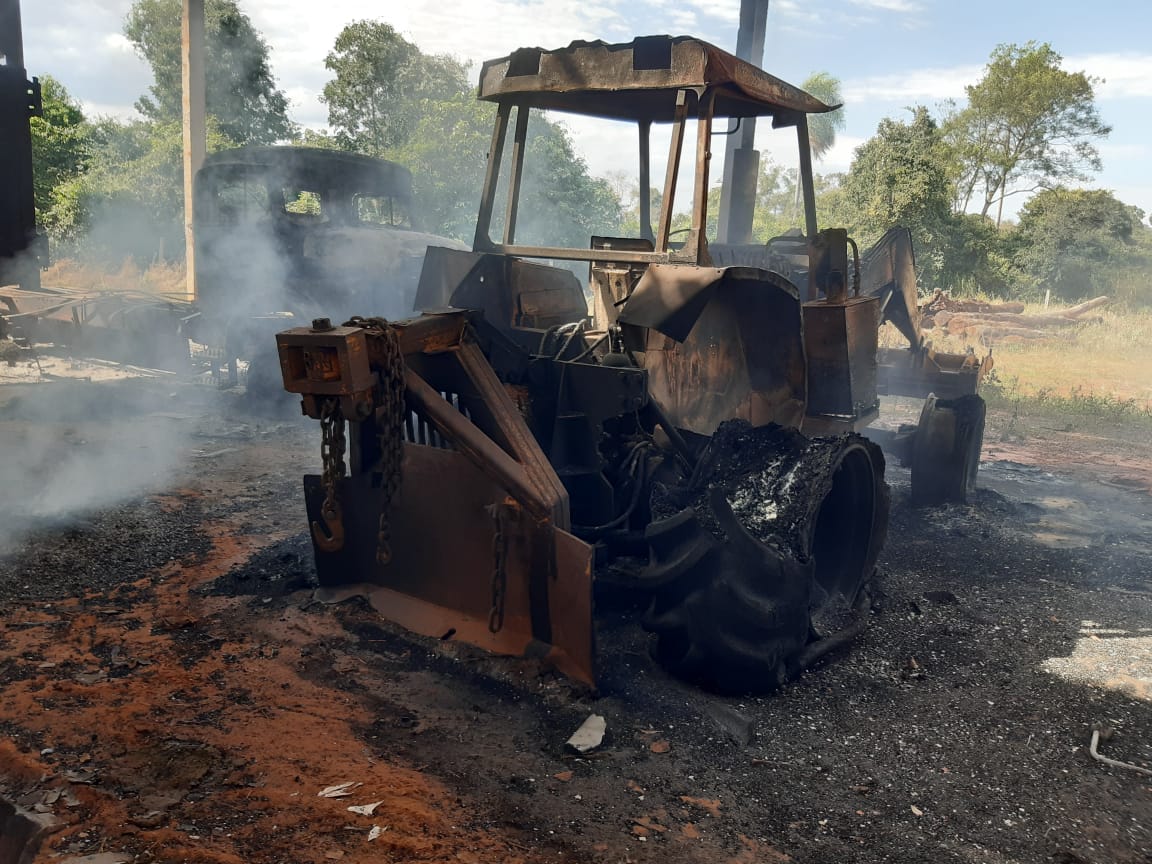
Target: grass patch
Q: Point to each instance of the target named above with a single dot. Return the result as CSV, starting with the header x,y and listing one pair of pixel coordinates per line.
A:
x,y
164,279
1079,402
1100,367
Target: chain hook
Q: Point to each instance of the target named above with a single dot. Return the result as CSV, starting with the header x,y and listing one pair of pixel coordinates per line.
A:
x,y
329,535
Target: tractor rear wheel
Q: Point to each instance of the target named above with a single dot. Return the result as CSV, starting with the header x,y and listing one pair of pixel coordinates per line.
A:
x,y
781,537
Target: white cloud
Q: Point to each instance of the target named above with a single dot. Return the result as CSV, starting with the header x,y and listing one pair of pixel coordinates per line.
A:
x,y
915,85
117,43
727,11
682,20
839,158
906,6
1126,75
118,111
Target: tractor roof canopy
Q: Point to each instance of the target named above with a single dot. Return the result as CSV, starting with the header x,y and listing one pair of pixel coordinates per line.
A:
x,y
639,80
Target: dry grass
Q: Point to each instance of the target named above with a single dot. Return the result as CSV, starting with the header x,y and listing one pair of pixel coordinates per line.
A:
x,y
1103,366
164,279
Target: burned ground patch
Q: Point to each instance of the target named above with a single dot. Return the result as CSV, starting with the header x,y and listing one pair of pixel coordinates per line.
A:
x,y
281,568
941,735
99,551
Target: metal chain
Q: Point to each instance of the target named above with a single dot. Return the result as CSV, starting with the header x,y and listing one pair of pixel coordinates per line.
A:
x,y
332,447
499,585
389,424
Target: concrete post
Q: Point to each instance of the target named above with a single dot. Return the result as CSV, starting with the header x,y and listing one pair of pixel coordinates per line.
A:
x,y
192,103
741,160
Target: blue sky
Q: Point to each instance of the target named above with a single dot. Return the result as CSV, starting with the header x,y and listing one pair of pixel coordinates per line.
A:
x,y
889,54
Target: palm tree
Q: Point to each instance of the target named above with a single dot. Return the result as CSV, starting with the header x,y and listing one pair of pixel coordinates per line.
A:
x,y
822,128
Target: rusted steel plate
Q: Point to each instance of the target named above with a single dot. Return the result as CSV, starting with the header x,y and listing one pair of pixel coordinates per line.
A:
x,y
441,577
742,355
638,80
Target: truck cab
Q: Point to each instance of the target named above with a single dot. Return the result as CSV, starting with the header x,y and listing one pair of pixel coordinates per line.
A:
x,y
284,234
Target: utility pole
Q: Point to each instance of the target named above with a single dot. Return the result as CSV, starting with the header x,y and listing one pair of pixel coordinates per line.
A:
x,y
192,105
741,161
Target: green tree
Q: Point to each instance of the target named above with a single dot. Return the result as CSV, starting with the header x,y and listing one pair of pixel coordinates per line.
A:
x,y
899,177
389,99
240,90
1075,242
129,202
60,143
380,86
318,138
446,154
1028,125
777,207
560,203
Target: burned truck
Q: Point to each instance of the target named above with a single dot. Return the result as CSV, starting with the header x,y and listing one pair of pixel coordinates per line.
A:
x,y
692,432
288,233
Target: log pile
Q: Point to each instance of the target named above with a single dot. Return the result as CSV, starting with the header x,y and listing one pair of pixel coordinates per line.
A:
x,y
1003,322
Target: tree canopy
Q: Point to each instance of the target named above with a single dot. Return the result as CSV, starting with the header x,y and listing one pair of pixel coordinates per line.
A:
x,y
380,80
1028,125
387,98
240,90
900,177
59,143
1072,241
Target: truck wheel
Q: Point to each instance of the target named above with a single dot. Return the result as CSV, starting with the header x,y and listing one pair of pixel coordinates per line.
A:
x,y
946,449
780,545
264,392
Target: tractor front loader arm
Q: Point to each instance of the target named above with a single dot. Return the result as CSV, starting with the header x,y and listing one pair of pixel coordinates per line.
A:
x,y
450,518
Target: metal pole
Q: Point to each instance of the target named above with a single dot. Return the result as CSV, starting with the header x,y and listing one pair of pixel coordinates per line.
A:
x,y
21,250
11,34
741,160
192,104
645,128
806,183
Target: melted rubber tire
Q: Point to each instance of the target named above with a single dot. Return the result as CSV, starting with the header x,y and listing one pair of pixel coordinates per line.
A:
x,y
786,528
946,449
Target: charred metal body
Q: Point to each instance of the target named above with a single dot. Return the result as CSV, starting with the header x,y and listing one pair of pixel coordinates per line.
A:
x,y
665,424
289,233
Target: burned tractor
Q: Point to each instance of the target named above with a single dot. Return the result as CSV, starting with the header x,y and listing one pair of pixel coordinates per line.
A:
x,y
691,430
288,233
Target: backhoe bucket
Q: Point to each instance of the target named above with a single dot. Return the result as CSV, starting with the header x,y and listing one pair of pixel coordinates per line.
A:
x,y
480,550
888,273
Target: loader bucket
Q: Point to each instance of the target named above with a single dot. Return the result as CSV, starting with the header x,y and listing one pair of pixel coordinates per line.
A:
x,y
480,548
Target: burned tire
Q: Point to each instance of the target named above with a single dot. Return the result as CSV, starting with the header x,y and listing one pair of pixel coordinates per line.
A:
x,y
946,449
787,530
